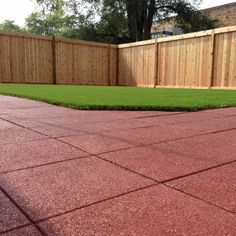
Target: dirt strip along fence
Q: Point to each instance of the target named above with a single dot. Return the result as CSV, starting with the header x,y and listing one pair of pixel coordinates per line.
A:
x,y
204,59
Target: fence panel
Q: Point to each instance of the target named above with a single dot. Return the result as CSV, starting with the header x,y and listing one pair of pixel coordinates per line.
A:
x,y
224,73
25,59
137,65
84,63
185,63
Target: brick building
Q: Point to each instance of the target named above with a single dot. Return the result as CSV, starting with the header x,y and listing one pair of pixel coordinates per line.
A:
x,y
225,14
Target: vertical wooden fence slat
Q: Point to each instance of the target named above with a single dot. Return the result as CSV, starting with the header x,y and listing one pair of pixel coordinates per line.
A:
x,y
54,68
109,65
156,66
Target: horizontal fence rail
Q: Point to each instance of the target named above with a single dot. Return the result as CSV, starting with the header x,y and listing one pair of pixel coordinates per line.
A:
x,y
204,59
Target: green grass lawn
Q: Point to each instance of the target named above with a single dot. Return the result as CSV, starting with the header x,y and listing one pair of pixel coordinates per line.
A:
x,y
123,98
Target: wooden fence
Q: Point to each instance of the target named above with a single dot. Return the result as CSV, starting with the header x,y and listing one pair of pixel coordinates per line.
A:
x,y
26,58
197,60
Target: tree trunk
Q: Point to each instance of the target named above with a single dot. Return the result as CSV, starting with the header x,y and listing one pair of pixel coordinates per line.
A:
x,y
131,7
140,17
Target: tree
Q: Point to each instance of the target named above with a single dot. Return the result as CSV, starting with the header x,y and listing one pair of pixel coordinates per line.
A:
x,y
10,25
114,21
133,19
142,13
49,19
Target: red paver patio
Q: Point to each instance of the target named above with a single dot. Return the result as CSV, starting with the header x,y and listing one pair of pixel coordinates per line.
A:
x,y
69,172
25,231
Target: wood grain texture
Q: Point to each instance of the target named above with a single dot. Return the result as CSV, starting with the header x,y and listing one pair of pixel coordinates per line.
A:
x,y
137,66
204,59
25,59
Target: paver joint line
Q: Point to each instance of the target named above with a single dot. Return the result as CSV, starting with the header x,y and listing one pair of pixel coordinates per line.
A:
x,y
97,202
198,172
150,144
193,196
15,228
22,211
46,164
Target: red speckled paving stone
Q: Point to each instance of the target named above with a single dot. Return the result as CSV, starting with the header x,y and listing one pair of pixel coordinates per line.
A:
x,y
19,135
115,140
216,148
27,123
171,118
25,231
10,215
28,154
215,125
224,111
49,190
42,112
4,125
158,164
95,143
181,118
154,211
81,118
13,102
151,135
56,131
217,186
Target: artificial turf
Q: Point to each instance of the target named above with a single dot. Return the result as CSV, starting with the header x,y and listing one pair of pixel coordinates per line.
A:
x,y
123,98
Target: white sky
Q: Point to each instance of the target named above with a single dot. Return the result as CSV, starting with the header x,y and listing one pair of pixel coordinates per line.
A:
x,y
18,10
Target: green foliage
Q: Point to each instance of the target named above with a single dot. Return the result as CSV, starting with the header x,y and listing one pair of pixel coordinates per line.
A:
x,y
112,21
50,19
10,25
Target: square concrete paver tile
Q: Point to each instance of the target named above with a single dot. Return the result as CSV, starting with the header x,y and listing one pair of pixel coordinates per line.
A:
x,y
56,131
10,216
95,143
42,112
28,154
188,117
159,164
24,122
215,125
224,111
19,135
13,102
54,189
25,231
4,125
154,211
217,186
215,148
151,135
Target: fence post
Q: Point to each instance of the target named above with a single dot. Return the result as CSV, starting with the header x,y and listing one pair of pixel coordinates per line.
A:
x,y
212,58
54,69
156,65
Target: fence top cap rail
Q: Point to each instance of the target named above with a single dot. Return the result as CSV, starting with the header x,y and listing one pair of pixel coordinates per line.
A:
x,y
59,39
83,42
26,35
180,37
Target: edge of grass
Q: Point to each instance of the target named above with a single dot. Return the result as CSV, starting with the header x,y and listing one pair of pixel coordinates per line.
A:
x,y
122,107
